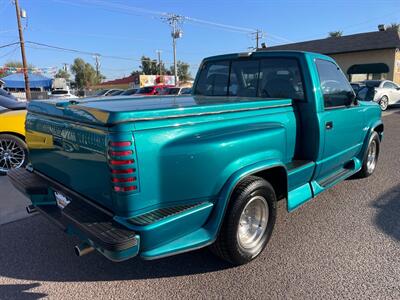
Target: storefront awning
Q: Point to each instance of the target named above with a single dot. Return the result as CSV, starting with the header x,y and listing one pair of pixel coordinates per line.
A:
x,y
377,68
17,80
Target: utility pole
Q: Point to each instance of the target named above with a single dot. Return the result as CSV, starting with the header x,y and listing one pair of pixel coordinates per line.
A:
x,y
174,20
65,67
159,62
22,44
258,36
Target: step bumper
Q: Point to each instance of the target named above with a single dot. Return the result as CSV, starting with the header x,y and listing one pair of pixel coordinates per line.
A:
x,y
91,223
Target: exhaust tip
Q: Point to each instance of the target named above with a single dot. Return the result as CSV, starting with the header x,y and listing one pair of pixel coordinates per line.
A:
x,y
30,209
83,249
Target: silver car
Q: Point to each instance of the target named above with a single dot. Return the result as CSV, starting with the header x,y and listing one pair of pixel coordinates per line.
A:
x,y
385,92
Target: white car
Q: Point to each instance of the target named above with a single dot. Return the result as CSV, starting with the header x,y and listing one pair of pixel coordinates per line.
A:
x,y
62,94
385,92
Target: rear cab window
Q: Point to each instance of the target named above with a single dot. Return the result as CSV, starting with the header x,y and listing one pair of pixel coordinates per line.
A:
x,y
251,78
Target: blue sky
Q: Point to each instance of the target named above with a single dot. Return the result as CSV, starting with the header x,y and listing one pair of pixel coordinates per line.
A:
x,y
130,29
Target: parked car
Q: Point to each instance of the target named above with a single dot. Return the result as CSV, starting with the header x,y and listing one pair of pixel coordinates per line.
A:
x,y
62,94
386,92
104,93
152,90
160,176
4,93
13,149
129,92
177,91
115,93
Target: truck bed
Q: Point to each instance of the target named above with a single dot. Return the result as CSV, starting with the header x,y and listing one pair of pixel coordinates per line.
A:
x,y
114,110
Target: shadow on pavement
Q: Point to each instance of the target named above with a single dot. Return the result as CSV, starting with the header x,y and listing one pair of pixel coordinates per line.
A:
x,y
34,249
20,291
388,217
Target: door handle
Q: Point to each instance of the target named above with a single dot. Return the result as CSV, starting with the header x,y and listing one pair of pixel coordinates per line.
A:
x,y
329,125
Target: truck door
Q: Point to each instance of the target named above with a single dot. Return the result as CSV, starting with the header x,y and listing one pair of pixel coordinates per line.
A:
x,y
341,121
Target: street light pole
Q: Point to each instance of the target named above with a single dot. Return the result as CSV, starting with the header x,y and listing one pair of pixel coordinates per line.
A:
x,y
22,44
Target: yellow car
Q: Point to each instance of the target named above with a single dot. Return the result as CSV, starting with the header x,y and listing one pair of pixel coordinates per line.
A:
x,y
13,149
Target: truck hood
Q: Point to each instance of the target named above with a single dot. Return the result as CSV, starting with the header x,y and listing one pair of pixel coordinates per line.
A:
x,y
110,111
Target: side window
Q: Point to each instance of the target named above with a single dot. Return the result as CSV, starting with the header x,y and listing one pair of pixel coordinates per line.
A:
x,y
213,80
334,85
389,85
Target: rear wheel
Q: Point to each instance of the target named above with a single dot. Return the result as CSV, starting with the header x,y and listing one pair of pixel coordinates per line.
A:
x,y
13,153
384,103
370,156
248,222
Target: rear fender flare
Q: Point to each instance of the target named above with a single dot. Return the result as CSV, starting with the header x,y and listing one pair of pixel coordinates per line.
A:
x,y
222,201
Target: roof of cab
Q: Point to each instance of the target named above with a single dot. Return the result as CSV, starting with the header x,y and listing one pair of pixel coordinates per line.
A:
x,y
269,53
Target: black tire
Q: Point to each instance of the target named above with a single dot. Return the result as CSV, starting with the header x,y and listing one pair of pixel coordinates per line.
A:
x,y
228,245
20,150
384,103
365,169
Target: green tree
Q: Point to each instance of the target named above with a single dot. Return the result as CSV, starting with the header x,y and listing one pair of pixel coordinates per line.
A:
x,y
182,70
336,33
85,74
17,64
148,66
62,74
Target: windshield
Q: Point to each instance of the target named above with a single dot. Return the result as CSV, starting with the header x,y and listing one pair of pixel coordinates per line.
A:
x,y
115,93
100,92
145,90
261,78
59,92
129,92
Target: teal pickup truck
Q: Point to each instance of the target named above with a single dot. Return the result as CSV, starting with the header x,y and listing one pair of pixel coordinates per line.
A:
x,y
157,176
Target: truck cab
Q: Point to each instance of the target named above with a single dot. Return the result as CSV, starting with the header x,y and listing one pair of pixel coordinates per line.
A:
x,y
160,176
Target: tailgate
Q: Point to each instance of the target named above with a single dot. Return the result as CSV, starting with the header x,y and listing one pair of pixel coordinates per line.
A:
x,y
71,153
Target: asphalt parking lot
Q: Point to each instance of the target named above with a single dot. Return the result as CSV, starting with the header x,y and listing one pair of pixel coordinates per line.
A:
x,y
344,244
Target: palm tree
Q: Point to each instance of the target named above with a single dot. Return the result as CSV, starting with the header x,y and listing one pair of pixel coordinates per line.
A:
x,y
395,26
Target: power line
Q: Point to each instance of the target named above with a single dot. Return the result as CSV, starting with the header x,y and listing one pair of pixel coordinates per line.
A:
x,y
10,52
8,45
63,49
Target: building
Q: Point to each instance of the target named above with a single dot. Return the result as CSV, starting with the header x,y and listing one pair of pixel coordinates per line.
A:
x,y
120,83
136,81
369,55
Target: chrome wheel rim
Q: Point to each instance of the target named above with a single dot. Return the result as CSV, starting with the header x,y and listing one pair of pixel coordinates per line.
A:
x,y
371,157
253,222
11,155
384,103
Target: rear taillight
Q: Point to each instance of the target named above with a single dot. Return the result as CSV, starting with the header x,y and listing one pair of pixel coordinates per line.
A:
x,y
120,144
121,162
121,158
125,171
125,188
